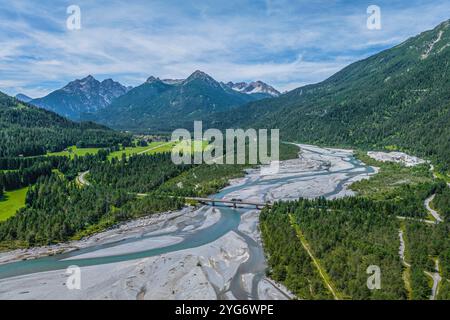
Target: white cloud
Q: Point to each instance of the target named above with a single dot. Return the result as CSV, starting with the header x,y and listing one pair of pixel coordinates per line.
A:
x,y
130,41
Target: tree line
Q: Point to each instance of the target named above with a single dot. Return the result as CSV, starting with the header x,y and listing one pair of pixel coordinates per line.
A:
x,y
58,209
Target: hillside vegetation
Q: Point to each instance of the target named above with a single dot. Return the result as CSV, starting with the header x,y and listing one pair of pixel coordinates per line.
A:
x,y
26,130
397,99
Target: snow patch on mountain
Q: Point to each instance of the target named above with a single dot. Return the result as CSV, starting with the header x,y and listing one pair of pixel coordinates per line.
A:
x,y
253,87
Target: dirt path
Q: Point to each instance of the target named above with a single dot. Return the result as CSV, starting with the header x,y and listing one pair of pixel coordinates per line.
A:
x,y
436,280
435,275
402,248
322,272
415,219
433,212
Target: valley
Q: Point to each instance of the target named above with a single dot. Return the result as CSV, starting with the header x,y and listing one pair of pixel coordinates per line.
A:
x,y
356,206
168,236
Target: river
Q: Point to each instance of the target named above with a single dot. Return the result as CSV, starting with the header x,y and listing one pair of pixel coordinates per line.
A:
x,y
214,252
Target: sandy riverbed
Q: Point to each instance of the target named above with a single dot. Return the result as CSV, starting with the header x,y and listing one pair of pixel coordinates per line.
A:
x,y
398,157
229,267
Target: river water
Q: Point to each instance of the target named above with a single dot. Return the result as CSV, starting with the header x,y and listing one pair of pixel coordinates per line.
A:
x,y
319,172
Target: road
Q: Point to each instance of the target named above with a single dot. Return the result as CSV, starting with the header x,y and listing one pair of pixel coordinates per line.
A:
x,y
433,212
435,276
416,219
436,280
401,250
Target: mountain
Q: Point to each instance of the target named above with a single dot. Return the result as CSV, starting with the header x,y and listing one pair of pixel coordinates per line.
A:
x,y
172,81
81,96
22,97
397,99
163,105
26,130
256,87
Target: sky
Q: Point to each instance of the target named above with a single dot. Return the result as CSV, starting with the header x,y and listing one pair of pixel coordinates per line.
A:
x,y
286,43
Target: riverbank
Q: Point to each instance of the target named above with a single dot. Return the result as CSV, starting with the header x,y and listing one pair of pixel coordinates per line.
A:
x,y
195,253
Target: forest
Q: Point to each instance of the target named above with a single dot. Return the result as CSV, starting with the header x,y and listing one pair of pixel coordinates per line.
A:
x,y
393,100
59,209
26,130
139,173
425,245
347,236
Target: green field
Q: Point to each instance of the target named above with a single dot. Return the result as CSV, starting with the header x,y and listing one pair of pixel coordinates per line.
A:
x,y
153,147
73,150
11,202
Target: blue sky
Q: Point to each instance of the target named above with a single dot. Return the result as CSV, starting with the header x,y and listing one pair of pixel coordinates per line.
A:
x,y
286,43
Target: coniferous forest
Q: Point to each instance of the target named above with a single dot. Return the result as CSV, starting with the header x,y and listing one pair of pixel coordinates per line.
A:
x,y
319,249
346,236
26,130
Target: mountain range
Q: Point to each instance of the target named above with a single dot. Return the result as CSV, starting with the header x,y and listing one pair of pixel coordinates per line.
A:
x,y
163,105
397,99
86,95
152,105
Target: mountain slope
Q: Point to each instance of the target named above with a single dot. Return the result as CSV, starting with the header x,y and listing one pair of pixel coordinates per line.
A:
x,y
81,96
399,98
163,105
23,97
27,130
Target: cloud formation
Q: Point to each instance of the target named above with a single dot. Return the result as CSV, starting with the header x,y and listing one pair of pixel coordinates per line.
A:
x,y
285,43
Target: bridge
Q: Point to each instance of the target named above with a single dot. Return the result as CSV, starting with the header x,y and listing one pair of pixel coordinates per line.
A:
x,y
213,201
234,202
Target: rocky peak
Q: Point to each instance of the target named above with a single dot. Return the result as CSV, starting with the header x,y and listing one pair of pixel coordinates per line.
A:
x,y
152,79
202,76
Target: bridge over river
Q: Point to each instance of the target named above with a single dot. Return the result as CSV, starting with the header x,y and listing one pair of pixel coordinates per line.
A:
x,y
234,202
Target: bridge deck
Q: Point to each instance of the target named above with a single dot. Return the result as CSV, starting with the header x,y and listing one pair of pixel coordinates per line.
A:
x,y
234,202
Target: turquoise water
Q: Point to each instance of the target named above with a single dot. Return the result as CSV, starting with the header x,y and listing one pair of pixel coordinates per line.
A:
x,y
229,220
